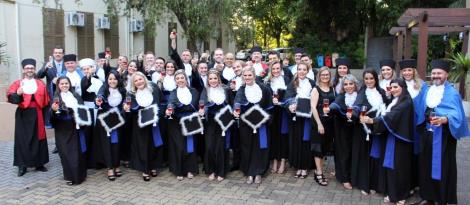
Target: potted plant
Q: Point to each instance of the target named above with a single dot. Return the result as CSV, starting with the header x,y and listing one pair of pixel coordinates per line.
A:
x,y
460,70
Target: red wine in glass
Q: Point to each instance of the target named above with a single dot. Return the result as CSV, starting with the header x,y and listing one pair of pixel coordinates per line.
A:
x,y
128,102
99,100
389,88
170,110
201,107
326,104
349,111
237,110
56,102
363,111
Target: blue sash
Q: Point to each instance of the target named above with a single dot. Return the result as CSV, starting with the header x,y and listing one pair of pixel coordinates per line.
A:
x,y
190,144
284,122
82,139
307,129
227,139
114,137
436,162
263,137
375,149
157,137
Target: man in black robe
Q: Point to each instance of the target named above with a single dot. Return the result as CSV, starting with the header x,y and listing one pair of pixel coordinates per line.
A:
x,y
30,149
445,124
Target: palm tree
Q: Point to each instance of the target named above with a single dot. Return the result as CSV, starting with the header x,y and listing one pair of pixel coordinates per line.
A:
x,y
460,70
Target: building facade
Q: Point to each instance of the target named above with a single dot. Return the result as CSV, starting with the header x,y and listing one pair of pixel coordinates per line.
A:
x,y
32,29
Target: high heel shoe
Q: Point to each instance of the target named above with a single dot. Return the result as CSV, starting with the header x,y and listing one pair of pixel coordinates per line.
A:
x,y
117,172
111,177
146,177
21,171
320,179
154,173
249,180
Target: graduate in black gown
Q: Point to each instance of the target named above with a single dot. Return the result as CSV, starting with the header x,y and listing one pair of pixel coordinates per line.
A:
x,y
215,97
254,160
346,129
183,102
146,146
110,97
235,84
300,128
323,130
397,124
30,149
125,139
279,126
168,84
445,124
367,172
70,141
90,85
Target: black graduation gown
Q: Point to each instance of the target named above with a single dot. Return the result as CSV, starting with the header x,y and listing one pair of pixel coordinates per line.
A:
x,y
72,156
322,145
216,156
445,190
279,138
253,160
344,133
367,172
104,151
180,161
91,140
29,151
398,180
300,156
144,154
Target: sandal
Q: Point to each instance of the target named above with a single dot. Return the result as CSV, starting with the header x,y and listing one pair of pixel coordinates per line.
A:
x,y
320,179
347,185
70,183
402,202
190,175
364,193
117,172
386,199
211,177
298,174
179,178
303,174
219,178
111,177
154,173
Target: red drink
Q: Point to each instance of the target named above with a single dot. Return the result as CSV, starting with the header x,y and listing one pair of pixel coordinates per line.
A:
x,y
253,61
325,105
389,88
99,100
163,74
201,106
276,96
237,110
56,101
349,110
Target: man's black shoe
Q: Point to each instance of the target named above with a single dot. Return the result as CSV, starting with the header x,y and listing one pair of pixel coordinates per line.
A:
x,y
423,202
55,151
21,171
41,169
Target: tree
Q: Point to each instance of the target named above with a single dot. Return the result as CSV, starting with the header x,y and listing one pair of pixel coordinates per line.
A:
x,y
200,19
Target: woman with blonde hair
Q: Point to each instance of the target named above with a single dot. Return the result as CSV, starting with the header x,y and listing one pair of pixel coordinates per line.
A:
x,y
146,145
323,132
214,99
253,142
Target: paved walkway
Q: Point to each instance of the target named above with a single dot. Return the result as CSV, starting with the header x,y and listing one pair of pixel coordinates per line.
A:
x,y
49,187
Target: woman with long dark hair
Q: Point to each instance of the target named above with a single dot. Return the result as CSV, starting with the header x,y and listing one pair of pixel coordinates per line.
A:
x,y
299,91
367,173
397,121
343,66
110,96
70,141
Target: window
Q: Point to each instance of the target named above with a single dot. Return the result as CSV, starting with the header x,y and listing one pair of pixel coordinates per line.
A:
x,y
53,30
149,38
111,38
86,38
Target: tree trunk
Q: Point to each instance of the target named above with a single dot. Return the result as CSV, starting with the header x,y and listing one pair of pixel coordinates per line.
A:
x,y
462,82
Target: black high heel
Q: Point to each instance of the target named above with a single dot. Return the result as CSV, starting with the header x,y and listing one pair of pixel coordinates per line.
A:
x,y
320,179
111,177
146,177
154,173
117,173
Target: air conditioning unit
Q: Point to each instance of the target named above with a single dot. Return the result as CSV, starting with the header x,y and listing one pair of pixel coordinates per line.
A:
x,y
103,23
76,19
136,26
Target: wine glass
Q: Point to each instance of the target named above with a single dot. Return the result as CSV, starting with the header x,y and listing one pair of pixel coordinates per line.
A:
x,y
237,110
170,109
295,105
128,102
276,95
234,83
363,111
432,116
57,102
99,100
326,104
201,107
349,110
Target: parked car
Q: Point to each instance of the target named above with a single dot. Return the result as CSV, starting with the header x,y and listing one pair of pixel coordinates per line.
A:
x,y
283,52
244,54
